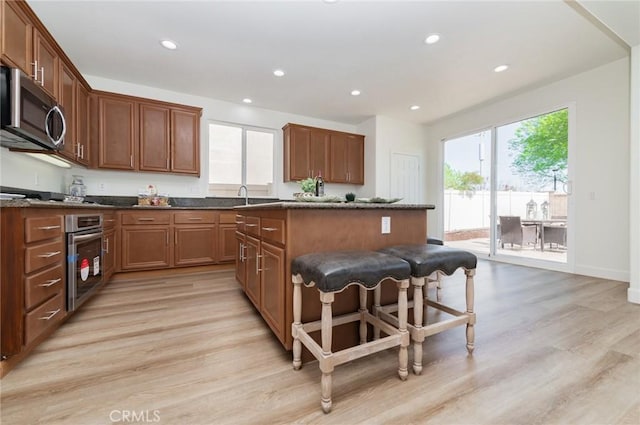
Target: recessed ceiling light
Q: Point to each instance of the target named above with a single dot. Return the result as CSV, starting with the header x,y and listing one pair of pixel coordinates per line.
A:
x,y
330,1
414,107
168,44
432,38
355,92
278,73
501,68
247,100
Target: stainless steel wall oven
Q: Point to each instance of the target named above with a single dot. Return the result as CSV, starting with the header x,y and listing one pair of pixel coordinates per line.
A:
x,y
84,257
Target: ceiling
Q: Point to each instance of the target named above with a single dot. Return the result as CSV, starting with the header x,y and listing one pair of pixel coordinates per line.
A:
x,y
229,50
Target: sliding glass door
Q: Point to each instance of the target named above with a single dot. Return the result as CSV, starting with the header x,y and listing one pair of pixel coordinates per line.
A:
x,y
467,200
506,189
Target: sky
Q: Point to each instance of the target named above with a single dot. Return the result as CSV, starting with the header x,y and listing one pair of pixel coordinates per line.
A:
x,y
473,153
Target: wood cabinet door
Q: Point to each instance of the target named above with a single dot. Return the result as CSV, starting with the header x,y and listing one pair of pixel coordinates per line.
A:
x,y
109,251
117,133
195,245
299,142
154,137
226,243
67,100
355,159
82,125
47,63
185,142
338,155
319,153
145,247
16,40
272,281
241,269
252,277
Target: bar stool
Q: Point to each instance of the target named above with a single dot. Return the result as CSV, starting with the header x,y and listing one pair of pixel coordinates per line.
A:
x,y
425,261
332,272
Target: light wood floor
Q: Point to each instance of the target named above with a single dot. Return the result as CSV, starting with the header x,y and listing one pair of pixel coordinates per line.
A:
x,y
551,348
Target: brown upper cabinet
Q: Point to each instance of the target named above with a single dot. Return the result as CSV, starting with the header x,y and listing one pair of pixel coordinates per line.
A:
x,y
185,140
82,125
147,135
67,99
310,151
74,98
306,152
117,131
347,158
17,33
28,48
154,137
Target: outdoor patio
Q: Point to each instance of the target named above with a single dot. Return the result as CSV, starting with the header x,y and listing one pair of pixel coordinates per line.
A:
x,y
481,245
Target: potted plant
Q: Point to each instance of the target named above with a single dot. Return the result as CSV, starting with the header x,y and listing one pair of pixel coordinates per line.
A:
x,y
308,187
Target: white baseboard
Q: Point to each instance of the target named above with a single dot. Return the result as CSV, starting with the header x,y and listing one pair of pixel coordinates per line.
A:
x,y
611,274
633,295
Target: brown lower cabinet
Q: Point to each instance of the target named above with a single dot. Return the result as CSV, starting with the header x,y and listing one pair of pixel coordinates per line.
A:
x,y
32,276
260,266
163,239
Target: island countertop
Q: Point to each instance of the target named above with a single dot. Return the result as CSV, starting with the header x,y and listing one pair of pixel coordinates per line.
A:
x,y
334,205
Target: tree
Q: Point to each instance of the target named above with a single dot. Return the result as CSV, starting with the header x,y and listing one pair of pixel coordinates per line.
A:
x,y
457,180
540,146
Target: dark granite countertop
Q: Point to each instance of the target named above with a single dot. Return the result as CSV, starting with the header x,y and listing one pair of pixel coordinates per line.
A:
x,y
335,205
54,200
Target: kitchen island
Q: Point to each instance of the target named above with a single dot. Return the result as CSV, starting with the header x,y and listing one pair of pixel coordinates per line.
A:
x,y
270,235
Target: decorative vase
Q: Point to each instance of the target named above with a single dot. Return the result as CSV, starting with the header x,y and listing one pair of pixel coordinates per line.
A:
x,y
77,187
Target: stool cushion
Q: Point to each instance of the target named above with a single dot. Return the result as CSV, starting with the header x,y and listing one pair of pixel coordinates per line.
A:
x,y
333,271
426,259
434,241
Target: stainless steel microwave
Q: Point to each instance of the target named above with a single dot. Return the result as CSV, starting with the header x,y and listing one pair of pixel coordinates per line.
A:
x,y
29,117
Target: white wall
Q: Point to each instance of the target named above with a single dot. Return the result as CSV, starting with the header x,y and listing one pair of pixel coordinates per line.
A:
x,y
634,190
24,172
394,136
601,166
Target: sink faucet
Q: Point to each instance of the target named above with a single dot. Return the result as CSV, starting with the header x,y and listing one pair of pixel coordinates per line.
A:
x,y
246,193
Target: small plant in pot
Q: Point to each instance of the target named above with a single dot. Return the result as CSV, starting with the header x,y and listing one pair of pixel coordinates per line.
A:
x,y
308,187
350,197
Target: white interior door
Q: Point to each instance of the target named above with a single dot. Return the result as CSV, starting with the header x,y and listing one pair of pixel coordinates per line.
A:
x,y
405,178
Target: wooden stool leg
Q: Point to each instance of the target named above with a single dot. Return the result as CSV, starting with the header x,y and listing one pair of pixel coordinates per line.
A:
x,y
471,334
376,308
403,356
418,336
438,286
326,362
297,321
363,310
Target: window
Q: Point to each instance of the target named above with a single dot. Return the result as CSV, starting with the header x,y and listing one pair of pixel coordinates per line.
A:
x,y
240,155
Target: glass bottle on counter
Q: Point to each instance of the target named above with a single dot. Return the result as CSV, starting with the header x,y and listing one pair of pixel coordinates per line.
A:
x,y
319,184
77,187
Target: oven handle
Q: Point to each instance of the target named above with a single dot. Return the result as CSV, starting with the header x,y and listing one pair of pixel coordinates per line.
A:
x,y
80,238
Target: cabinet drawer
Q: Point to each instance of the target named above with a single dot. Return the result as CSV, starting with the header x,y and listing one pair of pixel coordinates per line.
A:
x,y
43,285
146,217
108,220
44,316
252,225
39,256
41,228
227,218
272,229
195,217
241,223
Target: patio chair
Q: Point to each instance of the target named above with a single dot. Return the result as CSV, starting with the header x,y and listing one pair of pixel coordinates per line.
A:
x,y
513,232
554,234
